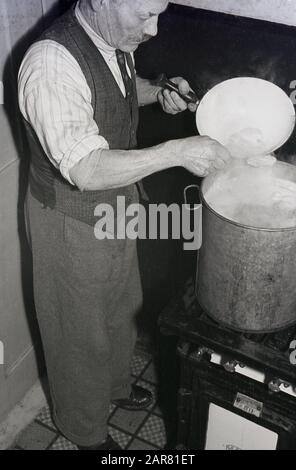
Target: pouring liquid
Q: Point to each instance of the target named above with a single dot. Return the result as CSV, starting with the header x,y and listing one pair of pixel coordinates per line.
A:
x,y
250,192
254,198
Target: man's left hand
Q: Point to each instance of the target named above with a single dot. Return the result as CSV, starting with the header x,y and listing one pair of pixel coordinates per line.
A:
x,y
172,102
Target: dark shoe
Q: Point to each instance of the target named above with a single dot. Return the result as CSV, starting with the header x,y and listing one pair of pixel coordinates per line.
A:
x,y
139,399
109,444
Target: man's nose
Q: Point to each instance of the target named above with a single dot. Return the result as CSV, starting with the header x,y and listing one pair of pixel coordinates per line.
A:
x,y
151,27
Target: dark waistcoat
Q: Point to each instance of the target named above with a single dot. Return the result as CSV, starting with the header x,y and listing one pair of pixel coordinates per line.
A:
x,y
115,115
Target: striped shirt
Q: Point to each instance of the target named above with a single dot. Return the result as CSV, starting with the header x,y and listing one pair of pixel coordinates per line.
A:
x,y
55,99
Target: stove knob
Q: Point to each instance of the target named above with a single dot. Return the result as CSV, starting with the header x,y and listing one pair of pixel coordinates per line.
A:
x,y
205,352
274,385
230,366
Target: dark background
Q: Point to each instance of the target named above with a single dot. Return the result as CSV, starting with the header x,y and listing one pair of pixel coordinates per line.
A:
x,y
205,48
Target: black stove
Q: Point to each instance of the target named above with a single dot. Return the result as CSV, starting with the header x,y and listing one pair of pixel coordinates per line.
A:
x,y
231,380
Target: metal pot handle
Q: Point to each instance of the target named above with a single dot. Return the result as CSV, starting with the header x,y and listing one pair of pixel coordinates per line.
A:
x,y
196,206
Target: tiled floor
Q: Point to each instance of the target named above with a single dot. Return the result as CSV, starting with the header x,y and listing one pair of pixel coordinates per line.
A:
x,y
144,430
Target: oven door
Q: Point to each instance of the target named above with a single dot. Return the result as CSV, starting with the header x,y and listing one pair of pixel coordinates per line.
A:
x,y
237,415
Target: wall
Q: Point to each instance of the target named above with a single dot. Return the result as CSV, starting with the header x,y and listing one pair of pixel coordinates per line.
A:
x,y
20,21
278,11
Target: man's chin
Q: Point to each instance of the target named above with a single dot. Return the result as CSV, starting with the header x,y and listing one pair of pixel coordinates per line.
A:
x,y
130,48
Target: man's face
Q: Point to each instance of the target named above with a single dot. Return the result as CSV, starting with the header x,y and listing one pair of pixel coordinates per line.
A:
x,y
130,22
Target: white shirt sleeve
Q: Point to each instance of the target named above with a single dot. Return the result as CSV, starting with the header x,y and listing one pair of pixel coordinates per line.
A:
x,y
55,99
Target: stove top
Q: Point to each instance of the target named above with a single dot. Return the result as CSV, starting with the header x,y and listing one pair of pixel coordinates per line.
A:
x,y
269,353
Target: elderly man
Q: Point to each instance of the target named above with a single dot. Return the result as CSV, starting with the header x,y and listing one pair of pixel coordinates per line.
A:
x,y
79,96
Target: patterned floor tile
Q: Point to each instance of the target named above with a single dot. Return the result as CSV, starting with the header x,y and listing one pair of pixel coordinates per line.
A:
x,y
63,444
150,374
128,420
140,445
45,417
120,437
139,362
39,437
154,431
111,408
35,437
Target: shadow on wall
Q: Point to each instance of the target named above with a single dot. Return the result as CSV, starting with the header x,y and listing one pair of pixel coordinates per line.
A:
x,y
11,108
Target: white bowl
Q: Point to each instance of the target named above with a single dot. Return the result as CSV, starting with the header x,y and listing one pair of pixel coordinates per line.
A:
x,y
248,113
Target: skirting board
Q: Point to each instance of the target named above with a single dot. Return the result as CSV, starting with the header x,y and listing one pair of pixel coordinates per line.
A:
x,y
22,415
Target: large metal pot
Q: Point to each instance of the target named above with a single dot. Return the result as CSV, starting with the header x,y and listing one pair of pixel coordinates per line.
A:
x,y
246,275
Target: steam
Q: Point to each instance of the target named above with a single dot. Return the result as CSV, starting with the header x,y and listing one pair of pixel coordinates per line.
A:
x,y
254,196
246,143
255,190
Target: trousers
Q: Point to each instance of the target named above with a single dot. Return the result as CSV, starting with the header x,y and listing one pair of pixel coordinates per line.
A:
x,y
87,295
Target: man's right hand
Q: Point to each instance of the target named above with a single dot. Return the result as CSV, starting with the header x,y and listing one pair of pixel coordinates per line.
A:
x,y
200,155
109,169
